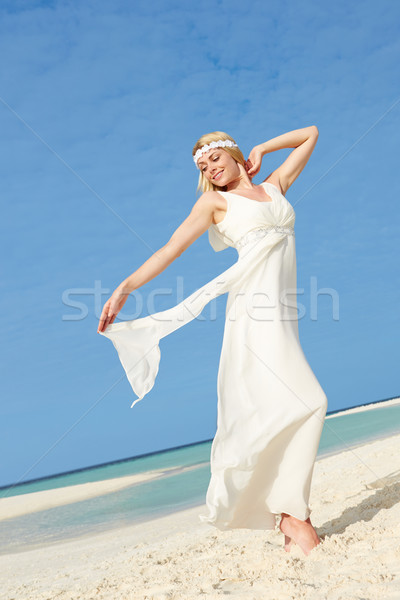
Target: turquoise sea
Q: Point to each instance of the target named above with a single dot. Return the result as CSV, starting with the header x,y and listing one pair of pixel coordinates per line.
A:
x,y
184,485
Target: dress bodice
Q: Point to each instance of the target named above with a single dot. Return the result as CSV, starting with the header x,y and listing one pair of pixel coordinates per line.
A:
x,y
262,233
244,215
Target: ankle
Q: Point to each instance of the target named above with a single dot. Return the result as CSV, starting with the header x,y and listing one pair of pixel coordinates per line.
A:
x,y
292,519
287,516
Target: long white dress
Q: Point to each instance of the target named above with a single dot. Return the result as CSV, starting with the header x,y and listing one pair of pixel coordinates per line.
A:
x,y
271,407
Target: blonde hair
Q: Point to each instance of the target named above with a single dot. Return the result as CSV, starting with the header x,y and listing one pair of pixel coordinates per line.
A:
x,y
204,184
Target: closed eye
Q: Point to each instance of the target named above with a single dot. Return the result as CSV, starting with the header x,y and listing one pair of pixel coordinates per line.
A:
x,y
214,160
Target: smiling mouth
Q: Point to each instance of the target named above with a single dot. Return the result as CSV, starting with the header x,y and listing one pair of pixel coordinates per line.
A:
x,y
217,176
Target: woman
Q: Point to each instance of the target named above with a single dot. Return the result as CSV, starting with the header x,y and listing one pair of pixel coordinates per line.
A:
x,y
271,408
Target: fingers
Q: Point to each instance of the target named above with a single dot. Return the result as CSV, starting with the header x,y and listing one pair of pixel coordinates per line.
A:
x,y
108,320
100,326
254,162
111,309
252,168
253,171
103,324
249,166
105,318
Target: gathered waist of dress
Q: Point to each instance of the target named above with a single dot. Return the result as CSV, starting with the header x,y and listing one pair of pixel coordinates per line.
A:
x,y
260,232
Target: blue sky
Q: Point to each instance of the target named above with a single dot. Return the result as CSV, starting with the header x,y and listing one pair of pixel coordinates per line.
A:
x,y
100,106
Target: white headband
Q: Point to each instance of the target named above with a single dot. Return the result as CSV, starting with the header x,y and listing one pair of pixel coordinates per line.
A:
x,y
207,147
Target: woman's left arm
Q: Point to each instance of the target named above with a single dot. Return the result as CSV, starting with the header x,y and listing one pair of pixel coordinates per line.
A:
x,y
303,140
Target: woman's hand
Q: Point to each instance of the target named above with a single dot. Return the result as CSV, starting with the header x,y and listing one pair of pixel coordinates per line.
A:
x,y
112,307
253,163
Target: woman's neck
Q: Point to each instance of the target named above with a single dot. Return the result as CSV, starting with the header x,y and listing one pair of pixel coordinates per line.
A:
x,y
242,182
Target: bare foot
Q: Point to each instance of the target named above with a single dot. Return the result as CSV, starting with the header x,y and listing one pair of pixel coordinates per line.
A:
x,y
300,532
288,543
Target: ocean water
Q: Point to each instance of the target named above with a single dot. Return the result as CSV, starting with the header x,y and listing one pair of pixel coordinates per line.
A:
x,y
183,485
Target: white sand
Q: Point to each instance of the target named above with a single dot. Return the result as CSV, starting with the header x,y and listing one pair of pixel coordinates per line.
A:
x,y
355,504
361,408
16,506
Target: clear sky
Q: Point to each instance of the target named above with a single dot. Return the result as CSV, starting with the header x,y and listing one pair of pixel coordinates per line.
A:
x,y
100,106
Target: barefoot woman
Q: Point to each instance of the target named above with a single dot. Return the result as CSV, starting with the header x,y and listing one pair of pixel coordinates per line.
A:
x,y
271,407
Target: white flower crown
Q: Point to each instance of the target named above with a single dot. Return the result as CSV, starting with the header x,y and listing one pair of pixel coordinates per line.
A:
x,y
207,147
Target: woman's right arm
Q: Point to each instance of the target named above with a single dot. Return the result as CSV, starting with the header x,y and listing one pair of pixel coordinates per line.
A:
x,y
198,221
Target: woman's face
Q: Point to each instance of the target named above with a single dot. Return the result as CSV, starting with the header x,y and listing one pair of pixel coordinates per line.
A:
x,y
219,167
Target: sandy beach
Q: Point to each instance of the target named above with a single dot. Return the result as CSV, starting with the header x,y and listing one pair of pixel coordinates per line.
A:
x,y
15,506
355,503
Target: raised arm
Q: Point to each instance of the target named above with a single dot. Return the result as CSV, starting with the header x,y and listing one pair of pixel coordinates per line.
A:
x,y
198,221
303,140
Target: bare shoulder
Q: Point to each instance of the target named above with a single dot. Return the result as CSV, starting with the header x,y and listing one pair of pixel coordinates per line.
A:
x,y
276,180
213,203
211,199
